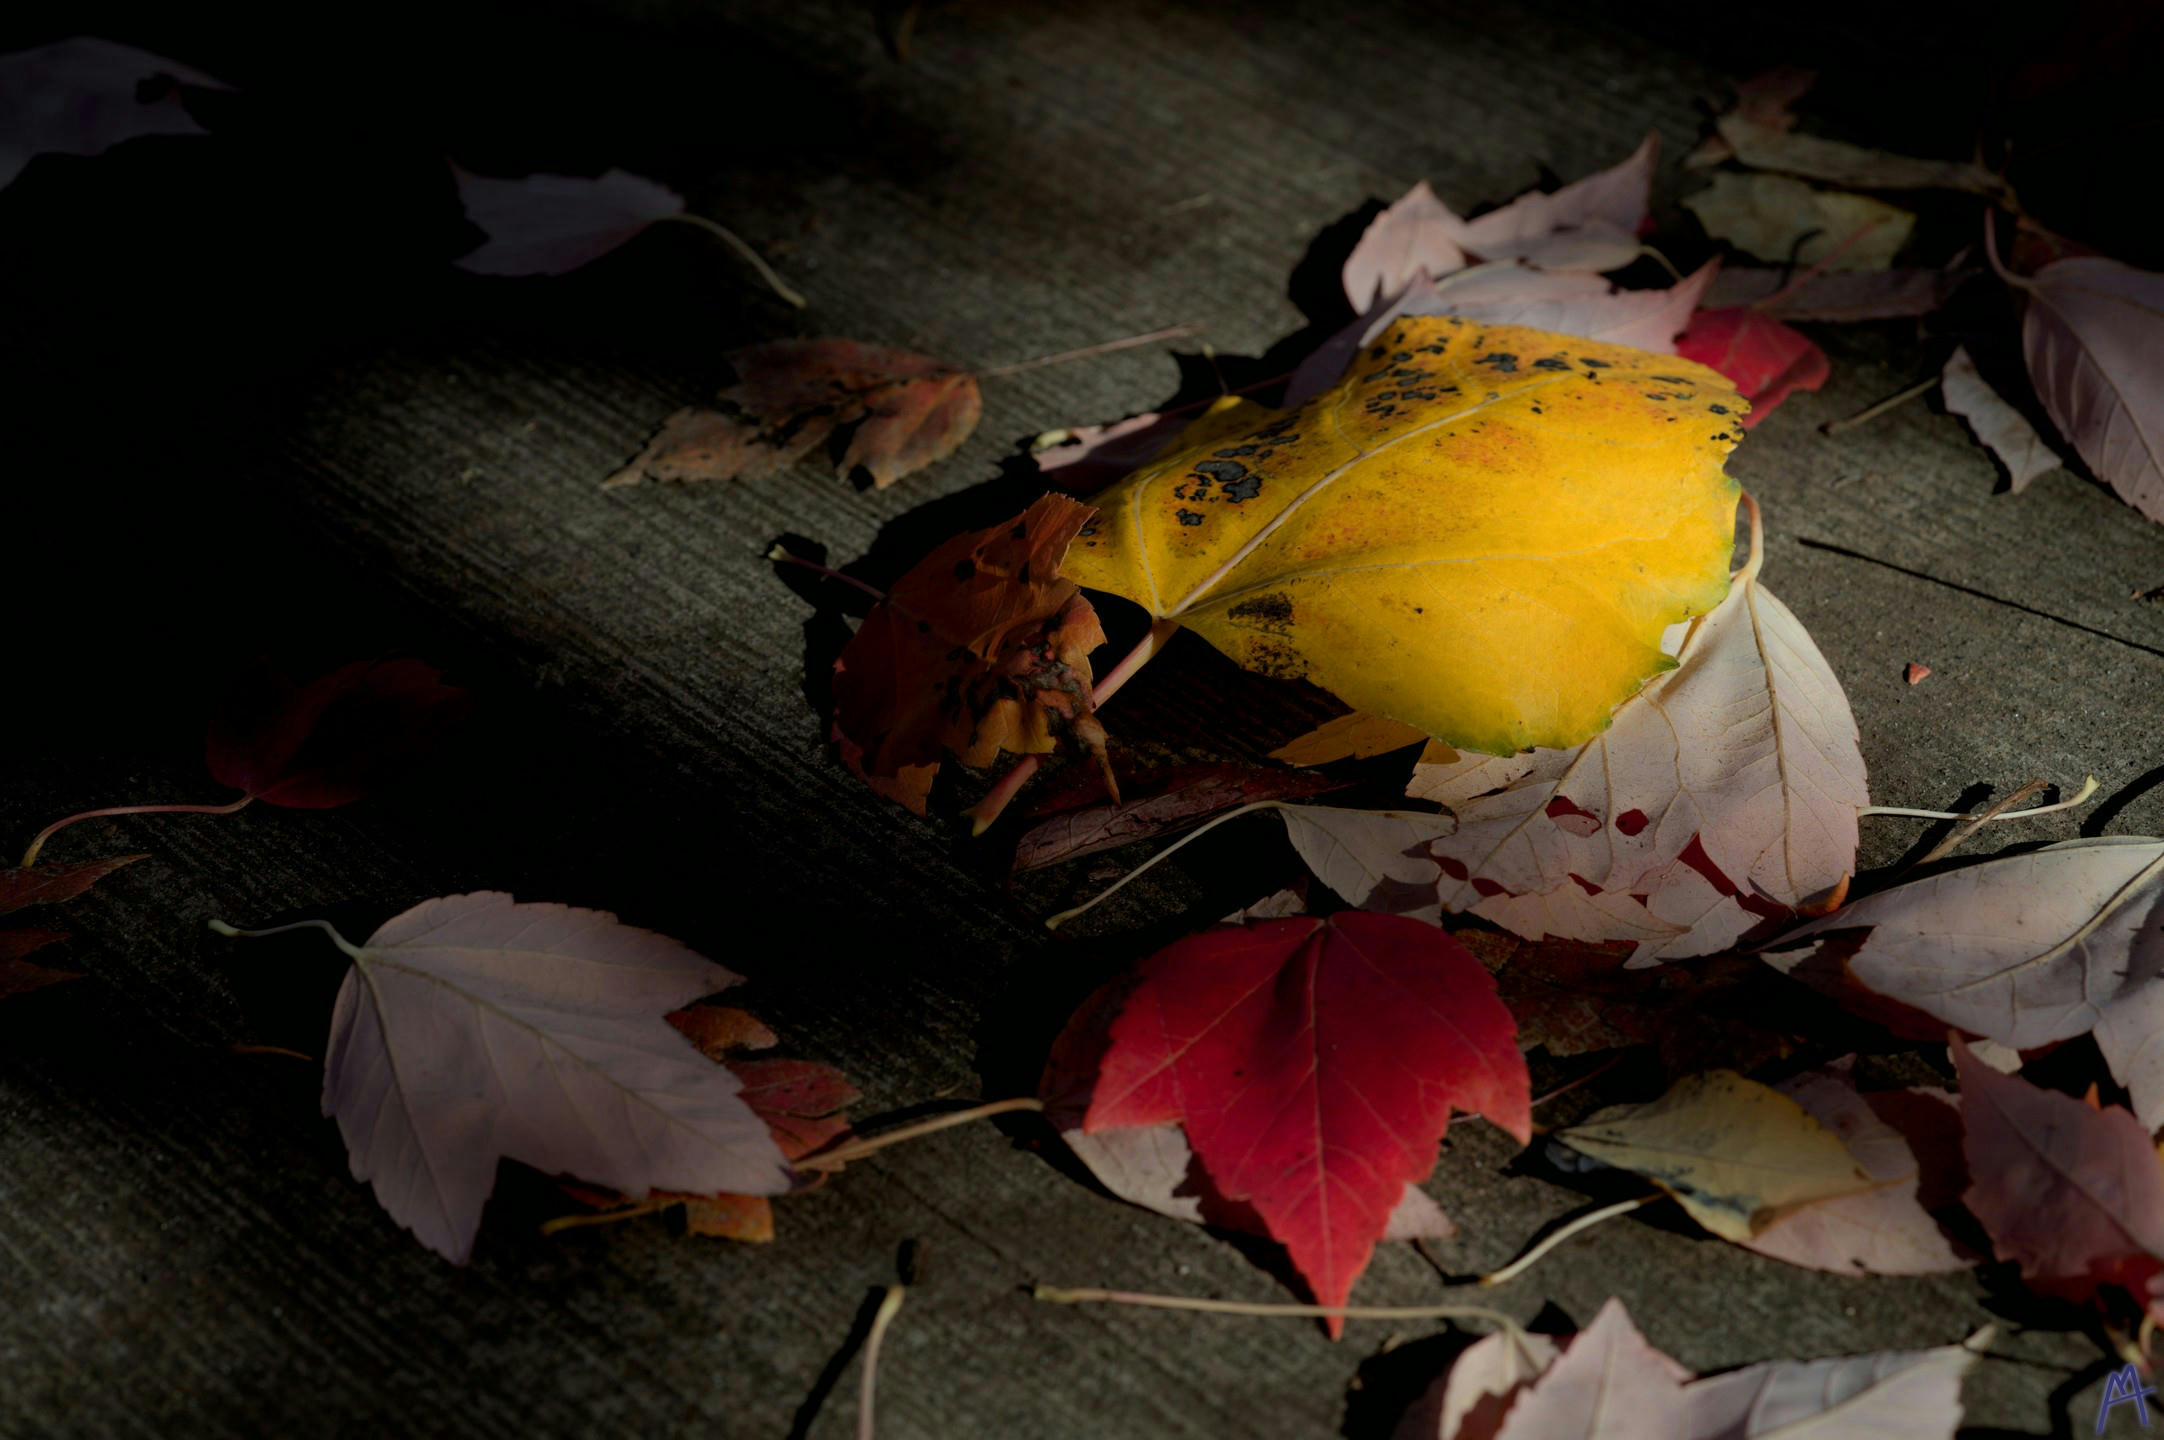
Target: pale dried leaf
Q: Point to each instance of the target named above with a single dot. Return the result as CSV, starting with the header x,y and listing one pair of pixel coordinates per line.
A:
x,y
1892,1395
1835,296
473,1028
2025,949
1358,852
2001,428
1786,221
2131,1035
551,224
79,97
2092,334
1881,1231
1608,1384
1418,234
1737,1155
1589,224
1768,147
1470,1399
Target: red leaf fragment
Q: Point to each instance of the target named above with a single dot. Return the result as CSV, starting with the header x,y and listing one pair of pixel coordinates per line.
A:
x,y
51,884
982,647
1765,358
718,1029
1915,673
1313,1065
18,976
908,410
2075,1195
329,742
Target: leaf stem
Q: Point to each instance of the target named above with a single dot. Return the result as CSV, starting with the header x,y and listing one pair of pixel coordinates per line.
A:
x,y
985,812
1584,1222
857,1149
868,1379
243,1048
324,925
30,856
1170,332
751,257
1961,834
2081,797
1053,922
1864,417
782,556
1055,1295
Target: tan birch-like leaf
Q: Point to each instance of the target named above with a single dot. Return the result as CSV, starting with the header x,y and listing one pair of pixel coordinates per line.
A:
x,y
1891,1395
2002,429
2091,336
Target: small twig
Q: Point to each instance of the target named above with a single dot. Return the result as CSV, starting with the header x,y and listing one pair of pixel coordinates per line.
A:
x,y
1861,417
240,1048
2080,797
608,1217
30,856
1584,1222
857,1149
869,1378
781,555
751,257
1962,833
1170,332
1054,1295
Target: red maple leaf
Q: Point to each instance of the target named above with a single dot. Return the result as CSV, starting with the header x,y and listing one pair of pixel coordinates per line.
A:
x,y
1765,358
330,741
1314,1065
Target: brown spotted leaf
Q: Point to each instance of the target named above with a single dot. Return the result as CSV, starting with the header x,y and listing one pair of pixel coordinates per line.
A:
x,y
890,411
982,647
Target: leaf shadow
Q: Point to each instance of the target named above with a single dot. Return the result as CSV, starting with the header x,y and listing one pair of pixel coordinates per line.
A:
x,y
2095,823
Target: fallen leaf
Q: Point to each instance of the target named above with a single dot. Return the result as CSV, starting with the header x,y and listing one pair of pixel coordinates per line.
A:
x,y
553,224
1892,1395
1608,1384
1837,296
1835,162
1742,762
1398,542
982,646
1090,457
1881,1231
1766,359
1186,796
1788,222
1152,1165
1915,673
17,975
1735,1154
2131,1034
2001,428
83,96
473,1028
332,740
2025,949
1417,235
52,884
2090,334
1356,736
1369,857
1469,1400
1509,293
2074,1194
719,1029
1313,1065
897,412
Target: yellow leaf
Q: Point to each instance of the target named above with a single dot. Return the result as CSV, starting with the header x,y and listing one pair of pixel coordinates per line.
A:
x,y
1737,1155
1349,737
1481,531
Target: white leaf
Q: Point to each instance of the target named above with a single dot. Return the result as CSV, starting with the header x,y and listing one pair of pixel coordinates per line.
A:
x,y
473,1028
1608,1385
551,224
2131,1035
2092,333
1748,747
1997,424
1357,852
1469,1401
78,97
1893,1395
2023,949
1418,234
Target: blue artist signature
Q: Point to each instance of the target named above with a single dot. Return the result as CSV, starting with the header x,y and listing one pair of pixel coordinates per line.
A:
x,y
2125,1388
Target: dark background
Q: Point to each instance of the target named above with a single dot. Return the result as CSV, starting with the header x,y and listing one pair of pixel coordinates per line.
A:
x,y
253,410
